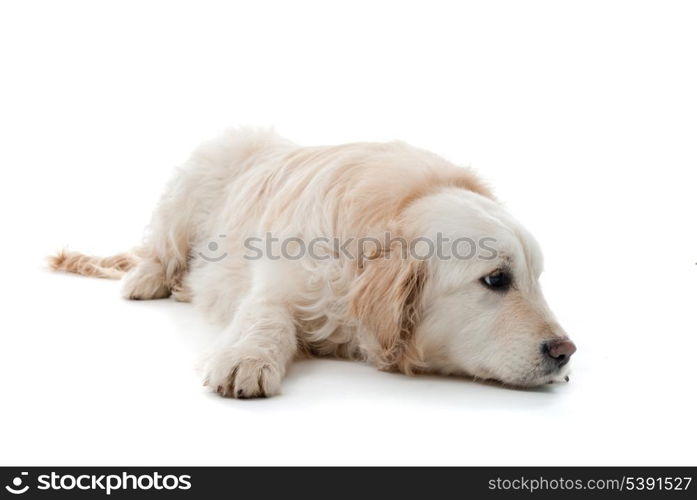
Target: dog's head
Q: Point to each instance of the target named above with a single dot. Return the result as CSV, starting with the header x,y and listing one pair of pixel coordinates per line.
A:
x,y
465,297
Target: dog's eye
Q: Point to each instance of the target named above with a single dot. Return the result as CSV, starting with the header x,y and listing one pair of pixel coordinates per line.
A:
x,y
498,280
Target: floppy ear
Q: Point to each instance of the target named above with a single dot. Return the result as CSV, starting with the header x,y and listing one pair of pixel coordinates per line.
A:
x,y
386,301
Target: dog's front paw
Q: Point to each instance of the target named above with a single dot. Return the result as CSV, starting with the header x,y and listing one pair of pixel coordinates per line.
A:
x,y
233,373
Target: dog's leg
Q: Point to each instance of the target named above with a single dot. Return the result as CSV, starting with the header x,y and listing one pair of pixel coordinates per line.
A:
x,y
255,349
165,251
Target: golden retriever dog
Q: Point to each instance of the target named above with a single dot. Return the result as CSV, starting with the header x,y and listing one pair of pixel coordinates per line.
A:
x,y
379,252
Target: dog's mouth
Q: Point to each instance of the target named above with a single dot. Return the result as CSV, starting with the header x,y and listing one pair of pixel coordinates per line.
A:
x,y
537,377
559,380
552,376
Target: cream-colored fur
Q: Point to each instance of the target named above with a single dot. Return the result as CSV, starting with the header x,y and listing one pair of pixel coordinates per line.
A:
x,y
396,311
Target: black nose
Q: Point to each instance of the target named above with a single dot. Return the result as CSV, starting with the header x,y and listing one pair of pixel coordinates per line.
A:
x,y
559,350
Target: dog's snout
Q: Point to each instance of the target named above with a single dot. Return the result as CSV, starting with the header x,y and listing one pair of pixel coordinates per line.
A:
x,y
559,350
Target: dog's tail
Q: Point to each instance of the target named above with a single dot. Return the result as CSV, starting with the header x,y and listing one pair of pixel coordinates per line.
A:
x,y
100,267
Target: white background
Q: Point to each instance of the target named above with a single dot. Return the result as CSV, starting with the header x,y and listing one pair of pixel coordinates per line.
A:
x,y
582,115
